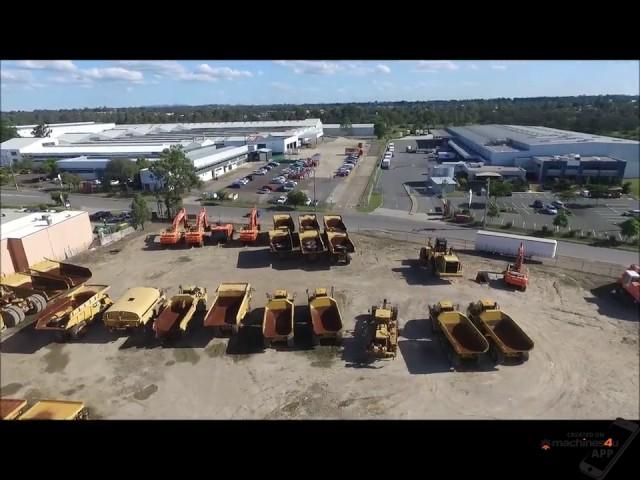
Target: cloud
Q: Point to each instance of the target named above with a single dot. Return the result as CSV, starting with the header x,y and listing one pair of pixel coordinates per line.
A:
x,y
382,68
472,66
114,74
433,66
225,73
498,66
161,68
58,65
310,67
16,77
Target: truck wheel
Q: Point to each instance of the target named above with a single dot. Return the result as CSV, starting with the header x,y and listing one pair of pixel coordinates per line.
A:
x,y
37,302
11,316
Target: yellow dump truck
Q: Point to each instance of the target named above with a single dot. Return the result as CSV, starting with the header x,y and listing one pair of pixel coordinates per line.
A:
x,y
179,311
440,260
11,408
229,308
73,275
466,341
283,220
56,410
340,246
326,319
308,221
334,223
382,331
311,244
69,314
283,242
136,308
277,323
508,340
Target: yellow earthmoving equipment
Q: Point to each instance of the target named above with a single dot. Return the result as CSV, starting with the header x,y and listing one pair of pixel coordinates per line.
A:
x,y
508,340
69,314
277,323
340,246
56,410
441,261
283,220
135,309
382,331
466,341
308,221
325,316
229,308
334,223
179,311
283,242
11,408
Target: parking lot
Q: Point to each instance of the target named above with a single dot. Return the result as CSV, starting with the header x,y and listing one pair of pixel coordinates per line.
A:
x,y
324,181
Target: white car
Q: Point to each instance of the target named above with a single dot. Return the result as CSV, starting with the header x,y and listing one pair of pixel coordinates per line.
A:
x,y
243,181
292,183
279,181
281,200
259,172
348,166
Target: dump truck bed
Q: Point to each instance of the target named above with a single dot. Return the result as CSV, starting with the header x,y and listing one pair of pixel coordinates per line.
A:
x,y
81,302
283,240
463,336
25,284
10,408
339,243
278,319
325,316
505,332
74,275
283,220
311,242
53,410
176,312
230,305
334,223
308,222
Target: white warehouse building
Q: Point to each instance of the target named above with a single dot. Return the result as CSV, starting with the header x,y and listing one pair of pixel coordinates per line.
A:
x,y
516,145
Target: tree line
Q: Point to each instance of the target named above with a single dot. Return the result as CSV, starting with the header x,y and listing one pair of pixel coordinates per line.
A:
x,y
616,115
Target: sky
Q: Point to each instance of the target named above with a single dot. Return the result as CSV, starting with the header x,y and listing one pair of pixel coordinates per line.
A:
x,y
54,84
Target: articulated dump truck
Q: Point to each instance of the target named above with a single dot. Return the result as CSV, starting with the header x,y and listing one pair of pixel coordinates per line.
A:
x,y
70,314
308,221
334,223
135,309
283,240
25,293
509,341
179,311
283,220
465,339
311,243
277,323
56,410
340,245
326,319
229,308
11,408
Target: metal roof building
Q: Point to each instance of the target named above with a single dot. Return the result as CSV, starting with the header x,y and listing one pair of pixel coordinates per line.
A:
x,y
514,144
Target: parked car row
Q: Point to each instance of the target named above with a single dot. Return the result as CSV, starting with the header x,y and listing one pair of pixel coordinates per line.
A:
x,y
348,165
107,217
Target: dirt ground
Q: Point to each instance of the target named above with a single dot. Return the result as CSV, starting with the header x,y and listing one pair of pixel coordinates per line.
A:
x,y
584,364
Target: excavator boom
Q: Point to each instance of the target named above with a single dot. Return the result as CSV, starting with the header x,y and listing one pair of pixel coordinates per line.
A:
x,y
173,235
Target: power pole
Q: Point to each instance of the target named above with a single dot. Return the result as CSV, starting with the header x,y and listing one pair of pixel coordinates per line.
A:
x,y
315,206
13,174
486,203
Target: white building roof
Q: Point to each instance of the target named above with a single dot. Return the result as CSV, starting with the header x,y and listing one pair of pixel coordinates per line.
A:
x,y
21,226
353,125
18,143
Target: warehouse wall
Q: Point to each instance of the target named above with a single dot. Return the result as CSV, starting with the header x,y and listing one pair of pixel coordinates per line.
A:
x,y
6,263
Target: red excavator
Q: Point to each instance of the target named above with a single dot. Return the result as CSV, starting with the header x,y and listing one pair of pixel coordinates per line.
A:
x,y
195,235
249,233
517,275
173,235
222,232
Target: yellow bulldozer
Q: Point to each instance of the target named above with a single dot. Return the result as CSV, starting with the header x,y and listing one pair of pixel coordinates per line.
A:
x,y
440,260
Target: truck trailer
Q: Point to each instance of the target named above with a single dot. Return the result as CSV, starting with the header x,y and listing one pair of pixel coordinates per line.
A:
x,y
509,244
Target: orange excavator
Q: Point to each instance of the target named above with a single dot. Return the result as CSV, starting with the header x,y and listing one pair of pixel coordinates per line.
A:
x,y
249,232
195,235
517,274
173,235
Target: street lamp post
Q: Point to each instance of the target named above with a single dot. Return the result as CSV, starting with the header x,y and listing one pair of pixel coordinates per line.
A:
x,y
486,203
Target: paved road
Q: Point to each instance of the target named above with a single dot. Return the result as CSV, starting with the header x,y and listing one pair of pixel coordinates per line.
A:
x,y
391,221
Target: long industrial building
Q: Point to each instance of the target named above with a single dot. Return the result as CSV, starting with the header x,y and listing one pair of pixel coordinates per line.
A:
x,y
149,140
528,146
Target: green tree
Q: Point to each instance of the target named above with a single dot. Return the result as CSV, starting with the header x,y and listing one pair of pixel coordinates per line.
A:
x,y
346,126
73,181
561,220
500,189
7,131
59,197
630,228
177,173
568,195
626,187
140,212
296,197
120,169
493,211
380,129
49,167
143,163
41,131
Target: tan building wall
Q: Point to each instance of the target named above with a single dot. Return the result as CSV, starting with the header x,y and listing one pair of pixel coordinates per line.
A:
x,y
57,242
6,264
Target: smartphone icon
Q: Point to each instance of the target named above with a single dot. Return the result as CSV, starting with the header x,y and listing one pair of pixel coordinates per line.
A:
x,y
599,460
